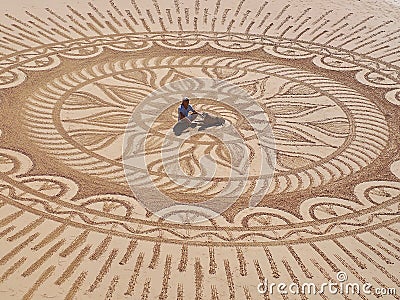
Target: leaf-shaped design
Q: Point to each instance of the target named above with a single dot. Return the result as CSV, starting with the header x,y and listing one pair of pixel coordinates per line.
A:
x,y
300,89
284,110
173,75
291,161
124,95
137,76
297,90
94,140
110,117
83,100
290,136
335,127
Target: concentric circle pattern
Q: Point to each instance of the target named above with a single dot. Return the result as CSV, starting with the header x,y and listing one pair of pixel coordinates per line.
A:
x,y
295,177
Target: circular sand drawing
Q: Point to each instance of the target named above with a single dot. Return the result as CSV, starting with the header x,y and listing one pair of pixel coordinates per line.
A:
x,y
103,195
230,165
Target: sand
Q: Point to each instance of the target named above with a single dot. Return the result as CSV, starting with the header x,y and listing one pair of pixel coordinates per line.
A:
x,y
99,198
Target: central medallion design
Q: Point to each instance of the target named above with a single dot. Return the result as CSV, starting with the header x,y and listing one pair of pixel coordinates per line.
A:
x,y
323,129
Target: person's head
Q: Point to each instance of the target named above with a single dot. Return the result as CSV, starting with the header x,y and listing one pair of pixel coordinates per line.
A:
x,y
185,102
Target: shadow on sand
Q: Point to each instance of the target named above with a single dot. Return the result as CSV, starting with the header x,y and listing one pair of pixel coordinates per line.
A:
x,y
207,121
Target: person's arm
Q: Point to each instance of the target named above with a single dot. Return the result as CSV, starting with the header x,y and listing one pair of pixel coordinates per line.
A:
x,y
193,111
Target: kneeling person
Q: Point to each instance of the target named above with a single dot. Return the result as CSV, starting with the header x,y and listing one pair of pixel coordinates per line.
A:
x,y
184,109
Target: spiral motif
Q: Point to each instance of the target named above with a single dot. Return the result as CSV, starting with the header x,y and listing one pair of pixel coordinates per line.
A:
x,y
194,185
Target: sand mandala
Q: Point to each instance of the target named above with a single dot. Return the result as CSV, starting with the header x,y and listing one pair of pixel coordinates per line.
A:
x,y
298,180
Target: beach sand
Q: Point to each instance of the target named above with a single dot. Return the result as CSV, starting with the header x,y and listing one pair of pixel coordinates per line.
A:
x,y
99,197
